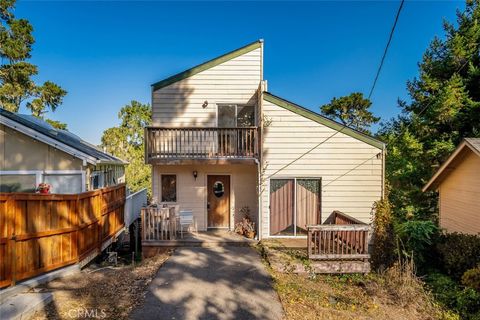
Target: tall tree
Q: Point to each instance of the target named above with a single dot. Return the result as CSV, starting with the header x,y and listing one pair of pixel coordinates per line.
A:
x,y
351,110
126,141
16,73
444,109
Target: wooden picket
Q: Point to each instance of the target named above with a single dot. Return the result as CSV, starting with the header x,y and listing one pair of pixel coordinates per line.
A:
x,y
40,233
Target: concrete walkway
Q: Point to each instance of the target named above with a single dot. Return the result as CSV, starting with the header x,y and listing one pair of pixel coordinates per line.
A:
x,y
211,283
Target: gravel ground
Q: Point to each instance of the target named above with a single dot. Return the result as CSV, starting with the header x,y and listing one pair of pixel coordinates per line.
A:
x,y
107,293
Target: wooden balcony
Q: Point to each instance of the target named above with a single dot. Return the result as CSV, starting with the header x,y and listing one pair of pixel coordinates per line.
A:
x,y
209,145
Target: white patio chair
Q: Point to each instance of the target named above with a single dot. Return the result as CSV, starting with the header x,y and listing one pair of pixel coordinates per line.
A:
x,y
186,218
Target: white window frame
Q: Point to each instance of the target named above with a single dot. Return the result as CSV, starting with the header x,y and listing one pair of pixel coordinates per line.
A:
x,y
236,112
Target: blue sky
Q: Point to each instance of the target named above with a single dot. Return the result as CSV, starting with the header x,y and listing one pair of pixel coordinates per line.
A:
x,y
106,54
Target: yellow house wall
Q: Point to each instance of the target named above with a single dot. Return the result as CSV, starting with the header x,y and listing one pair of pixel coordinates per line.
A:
x,y
460,197
350,170
20,152
183,103
192,194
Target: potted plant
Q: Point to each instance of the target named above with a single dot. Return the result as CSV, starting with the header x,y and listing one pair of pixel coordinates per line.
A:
x,y
246,227
249,229
43,188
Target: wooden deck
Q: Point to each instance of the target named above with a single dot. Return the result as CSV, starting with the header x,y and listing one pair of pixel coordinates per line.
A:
x,y
212,238
339,246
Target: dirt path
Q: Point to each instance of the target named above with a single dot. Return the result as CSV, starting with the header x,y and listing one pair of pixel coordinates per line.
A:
x,y
109,293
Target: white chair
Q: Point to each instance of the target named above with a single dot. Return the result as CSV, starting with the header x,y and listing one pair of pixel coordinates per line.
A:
x,y
187,219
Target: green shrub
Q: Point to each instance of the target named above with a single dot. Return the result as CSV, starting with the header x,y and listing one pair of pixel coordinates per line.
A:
x,y
417,237
468,304
443,288
458,253
471,278
383,245
464,301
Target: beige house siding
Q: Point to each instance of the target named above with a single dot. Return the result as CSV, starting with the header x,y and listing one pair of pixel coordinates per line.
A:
x,y
183,103
460,197
192,193
20,152
350,171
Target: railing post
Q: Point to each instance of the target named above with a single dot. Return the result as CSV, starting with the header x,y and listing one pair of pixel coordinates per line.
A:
x,y
309,242
11,237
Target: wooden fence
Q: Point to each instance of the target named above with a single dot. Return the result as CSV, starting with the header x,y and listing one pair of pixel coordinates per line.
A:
x,y
40,233
345,239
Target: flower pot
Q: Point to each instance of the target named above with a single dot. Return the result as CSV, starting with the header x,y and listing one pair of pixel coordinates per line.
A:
x,y
250,234
44,191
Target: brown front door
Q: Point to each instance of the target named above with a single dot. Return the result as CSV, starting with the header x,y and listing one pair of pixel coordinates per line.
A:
x,y
218,201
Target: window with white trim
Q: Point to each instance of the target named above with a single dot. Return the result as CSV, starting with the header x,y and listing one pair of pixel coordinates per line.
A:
x,y
235,116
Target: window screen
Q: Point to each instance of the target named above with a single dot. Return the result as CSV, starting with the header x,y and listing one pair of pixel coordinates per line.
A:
x,y
226,116
245,116
169,188
64,183
18,183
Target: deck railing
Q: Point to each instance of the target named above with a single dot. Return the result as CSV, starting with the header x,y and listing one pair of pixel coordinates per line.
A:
x,y
346,239
133,206
158,223
200,143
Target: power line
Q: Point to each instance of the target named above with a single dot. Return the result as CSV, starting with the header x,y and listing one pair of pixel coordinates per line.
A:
x,y
399,135
386,49
371,91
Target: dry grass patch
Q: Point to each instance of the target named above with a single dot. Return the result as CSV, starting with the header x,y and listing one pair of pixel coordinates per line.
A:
x,y
395,294
109,293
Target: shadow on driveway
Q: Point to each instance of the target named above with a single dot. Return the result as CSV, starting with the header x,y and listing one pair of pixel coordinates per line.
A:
x,y
211,283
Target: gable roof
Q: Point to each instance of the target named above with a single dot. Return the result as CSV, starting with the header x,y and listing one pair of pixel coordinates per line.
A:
x,y
323,120
207,65
60,139
467,145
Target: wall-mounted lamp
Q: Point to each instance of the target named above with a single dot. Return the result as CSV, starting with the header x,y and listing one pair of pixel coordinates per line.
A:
x,y
205,104
195,174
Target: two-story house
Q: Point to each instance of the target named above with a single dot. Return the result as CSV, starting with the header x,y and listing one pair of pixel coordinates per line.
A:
x,y
220,142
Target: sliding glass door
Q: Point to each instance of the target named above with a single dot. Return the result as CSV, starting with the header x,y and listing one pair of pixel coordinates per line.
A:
x,y
294,204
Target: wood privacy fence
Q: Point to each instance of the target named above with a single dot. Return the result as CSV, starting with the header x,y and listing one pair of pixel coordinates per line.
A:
x,y
345,239
40,233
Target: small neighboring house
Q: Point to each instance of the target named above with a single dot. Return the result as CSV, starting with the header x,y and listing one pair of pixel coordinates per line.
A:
x,y
458,184
32,152
221,144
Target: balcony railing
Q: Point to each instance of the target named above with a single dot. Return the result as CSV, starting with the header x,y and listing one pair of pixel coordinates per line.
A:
x,y
200,143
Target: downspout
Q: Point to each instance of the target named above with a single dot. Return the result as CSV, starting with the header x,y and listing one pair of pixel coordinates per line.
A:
x,y
261,88
384,153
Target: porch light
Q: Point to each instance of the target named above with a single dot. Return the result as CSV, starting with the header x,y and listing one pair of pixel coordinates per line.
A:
x,y
195,174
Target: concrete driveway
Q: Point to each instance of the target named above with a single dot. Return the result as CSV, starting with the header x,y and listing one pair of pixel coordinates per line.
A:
x,y
211,283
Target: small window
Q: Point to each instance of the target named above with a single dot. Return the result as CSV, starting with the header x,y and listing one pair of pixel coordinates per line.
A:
x,y
218,189
169,188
